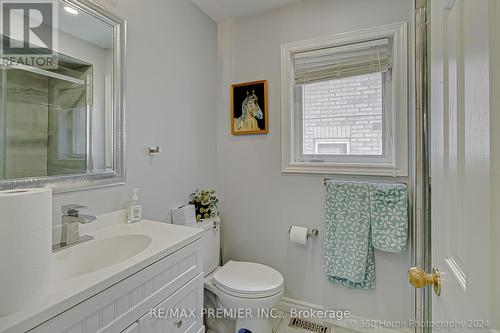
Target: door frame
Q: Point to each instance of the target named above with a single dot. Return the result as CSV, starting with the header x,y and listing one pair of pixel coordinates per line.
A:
x,y
420,175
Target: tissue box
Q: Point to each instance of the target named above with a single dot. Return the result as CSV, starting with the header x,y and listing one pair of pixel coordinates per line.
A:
x,y
184,215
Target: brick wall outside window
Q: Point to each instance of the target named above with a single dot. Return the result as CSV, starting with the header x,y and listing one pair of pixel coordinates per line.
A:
x,y
345,110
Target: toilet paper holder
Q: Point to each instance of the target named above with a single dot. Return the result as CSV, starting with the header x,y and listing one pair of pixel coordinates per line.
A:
x,y
310,232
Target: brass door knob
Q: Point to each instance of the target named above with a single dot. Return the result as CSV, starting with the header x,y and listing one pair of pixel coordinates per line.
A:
x,y
419,279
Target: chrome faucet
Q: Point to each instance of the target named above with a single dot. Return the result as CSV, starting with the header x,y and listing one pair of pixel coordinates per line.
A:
x,y
71,220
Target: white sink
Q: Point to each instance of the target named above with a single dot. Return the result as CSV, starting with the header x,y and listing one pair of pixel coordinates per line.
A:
x,y
118,251
98,254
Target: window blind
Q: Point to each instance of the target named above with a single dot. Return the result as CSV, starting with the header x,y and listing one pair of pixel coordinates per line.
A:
x,y
338,62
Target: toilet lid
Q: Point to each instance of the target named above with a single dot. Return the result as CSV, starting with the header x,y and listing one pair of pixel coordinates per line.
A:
x,y
249,278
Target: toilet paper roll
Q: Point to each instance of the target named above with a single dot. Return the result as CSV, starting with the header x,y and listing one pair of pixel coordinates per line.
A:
x,y
298,235
25,247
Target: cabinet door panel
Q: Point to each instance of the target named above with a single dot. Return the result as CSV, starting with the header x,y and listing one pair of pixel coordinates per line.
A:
x,y
134,328
180,313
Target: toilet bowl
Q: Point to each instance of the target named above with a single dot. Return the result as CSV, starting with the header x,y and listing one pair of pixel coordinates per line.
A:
x,y
239,295
246,291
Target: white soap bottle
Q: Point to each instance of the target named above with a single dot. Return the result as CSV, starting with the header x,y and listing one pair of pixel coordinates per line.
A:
x,y
134,208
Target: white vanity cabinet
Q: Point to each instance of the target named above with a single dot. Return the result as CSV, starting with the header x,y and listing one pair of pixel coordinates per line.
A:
x,y
133,304
134,328
187,298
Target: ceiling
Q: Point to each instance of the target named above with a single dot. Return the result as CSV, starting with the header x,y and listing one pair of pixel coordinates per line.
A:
x,y
221,10
86,27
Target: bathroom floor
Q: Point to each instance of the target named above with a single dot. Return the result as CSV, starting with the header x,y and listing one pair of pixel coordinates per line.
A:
x,y
280,325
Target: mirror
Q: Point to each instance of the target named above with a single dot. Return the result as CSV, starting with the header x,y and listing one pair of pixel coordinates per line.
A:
x,y
61,97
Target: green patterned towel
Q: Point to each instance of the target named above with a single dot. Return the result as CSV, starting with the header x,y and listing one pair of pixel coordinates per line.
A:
x,y
389,217
359,217
349,257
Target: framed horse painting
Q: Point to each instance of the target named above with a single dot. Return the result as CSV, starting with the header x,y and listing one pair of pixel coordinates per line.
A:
x,y
249,108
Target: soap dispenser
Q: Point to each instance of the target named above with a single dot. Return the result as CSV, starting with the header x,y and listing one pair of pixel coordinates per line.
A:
x,y
134,208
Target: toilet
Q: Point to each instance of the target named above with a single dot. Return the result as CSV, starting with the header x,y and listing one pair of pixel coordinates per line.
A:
x,y
243,291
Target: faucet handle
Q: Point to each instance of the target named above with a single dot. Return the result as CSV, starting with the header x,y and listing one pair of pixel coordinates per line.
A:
x,y
72,209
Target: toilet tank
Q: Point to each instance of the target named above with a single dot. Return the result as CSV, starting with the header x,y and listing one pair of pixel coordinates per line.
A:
x,y
210,244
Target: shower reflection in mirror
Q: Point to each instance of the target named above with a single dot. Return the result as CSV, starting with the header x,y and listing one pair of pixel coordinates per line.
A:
x,y
59,121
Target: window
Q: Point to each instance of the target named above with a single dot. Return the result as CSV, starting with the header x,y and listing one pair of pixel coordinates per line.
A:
x,y
348,109
344,103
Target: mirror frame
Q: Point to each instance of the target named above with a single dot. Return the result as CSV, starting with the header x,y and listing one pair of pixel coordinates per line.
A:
x,y
76,182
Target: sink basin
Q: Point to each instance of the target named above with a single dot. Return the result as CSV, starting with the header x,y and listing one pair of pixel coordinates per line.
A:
x,y
98,254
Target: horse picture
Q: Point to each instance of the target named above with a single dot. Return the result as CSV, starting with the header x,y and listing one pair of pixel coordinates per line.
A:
x,y
249,108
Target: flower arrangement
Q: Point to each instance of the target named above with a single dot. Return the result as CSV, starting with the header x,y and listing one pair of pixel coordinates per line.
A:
x,y
205,203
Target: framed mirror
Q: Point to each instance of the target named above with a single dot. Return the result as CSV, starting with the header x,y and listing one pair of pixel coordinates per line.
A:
x,y
62,100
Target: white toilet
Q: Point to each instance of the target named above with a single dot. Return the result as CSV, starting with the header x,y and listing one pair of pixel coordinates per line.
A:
x,y
250,287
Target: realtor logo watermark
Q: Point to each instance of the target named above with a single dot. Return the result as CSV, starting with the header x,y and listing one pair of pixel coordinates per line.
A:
x,y
29,33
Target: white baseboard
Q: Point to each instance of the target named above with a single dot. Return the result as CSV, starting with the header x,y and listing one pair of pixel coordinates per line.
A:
x,y
353,322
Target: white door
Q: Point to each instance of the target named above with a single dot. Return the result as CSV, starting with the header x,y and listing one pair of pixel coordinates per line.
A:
x,y
464,159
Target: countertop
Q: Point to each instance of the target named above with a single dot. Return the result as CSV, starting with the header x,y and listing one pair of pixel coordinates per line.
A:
x,y
65,293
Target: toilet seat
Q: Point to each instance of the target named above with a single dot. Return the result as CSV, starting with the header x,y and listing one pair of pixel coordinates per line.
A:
x,y
248,280
248,286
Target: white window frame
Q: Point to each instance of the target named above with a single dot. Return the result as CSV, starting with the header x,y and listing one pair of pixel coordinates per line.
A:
x,y
396,109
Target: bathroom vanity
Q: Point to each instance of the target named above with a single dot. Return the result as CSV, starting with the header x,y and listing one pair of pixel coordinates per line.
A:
x,y
124,280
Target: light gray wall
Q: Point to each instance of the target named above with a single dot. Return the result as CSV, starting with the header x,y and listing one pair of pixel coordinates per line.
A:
x,y
170,103
258,202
